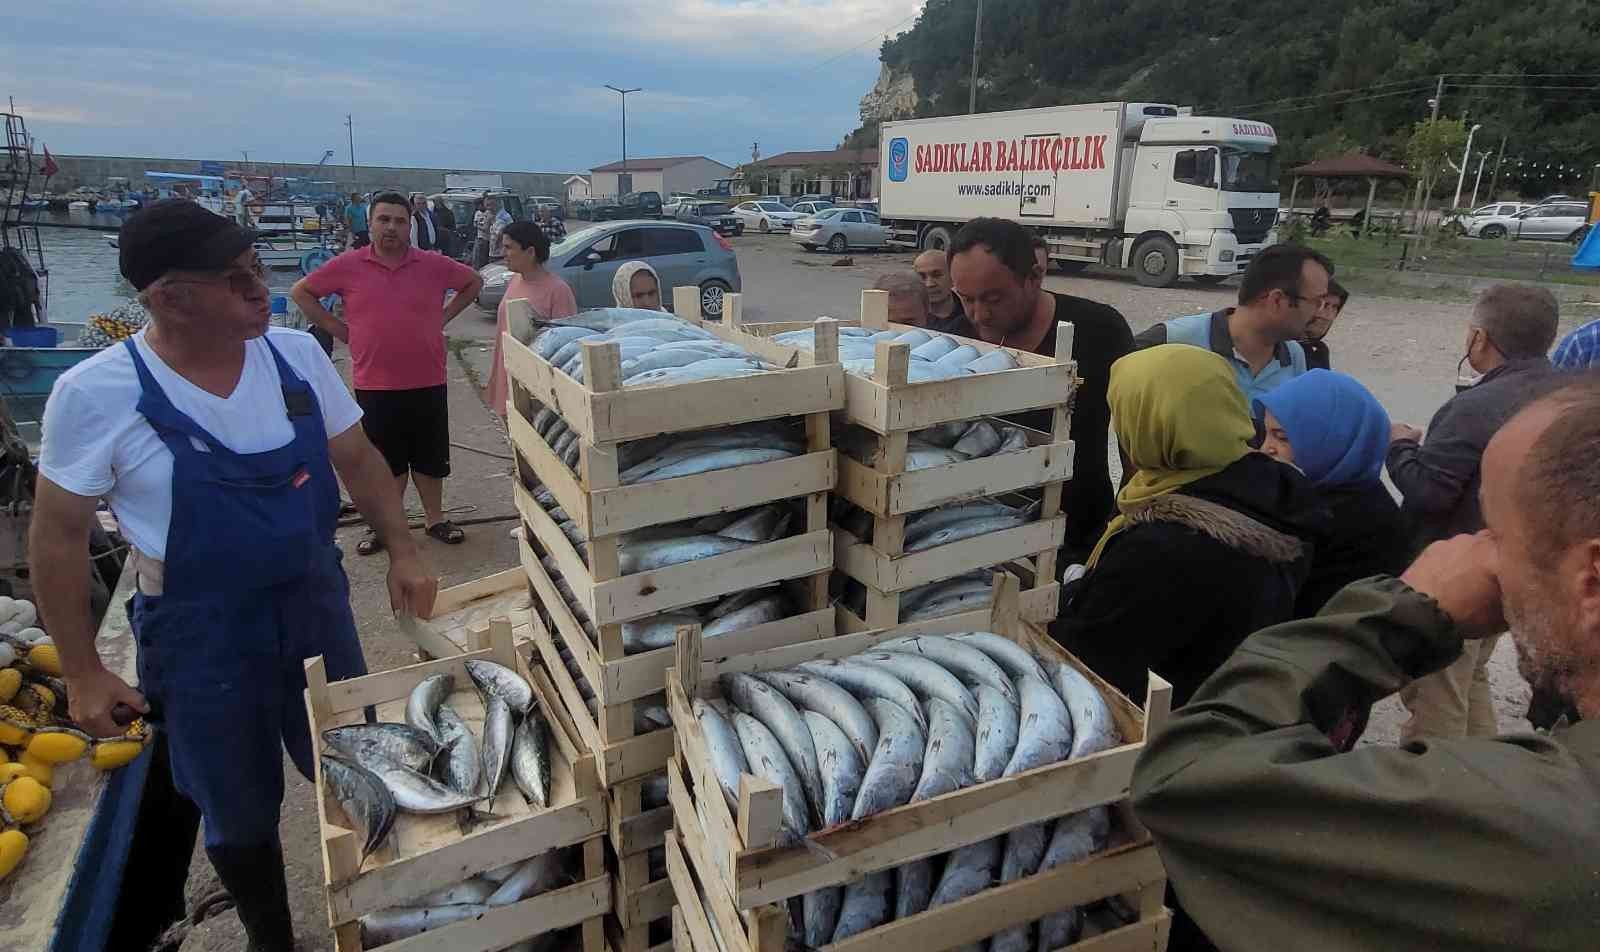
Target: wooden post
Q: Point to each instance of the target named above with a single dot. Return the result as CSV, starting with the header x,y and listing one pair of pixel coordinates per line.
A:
x,y
687,649
891,360
1293,191
1005,612
501,641
1366,216
686,304
760,812
594,865
825,348
733,309
875,310
1060,432
519,319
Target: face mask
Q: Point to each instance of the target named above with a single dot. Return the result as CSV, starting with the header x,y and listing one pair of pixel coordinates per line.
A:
x,y
1466,377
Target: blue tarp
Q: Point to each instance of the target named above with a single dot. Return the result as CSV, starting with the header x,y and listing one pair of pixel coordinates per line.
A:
x,y
1587,257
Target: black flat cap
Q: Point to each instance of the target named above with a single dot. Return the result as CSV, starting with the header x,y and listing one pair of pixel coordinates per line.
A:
x,y
177,234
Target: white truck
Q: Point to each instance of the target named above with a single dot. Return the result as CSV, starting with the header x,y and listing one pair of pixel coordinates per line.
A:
x,y
1134,185
483,181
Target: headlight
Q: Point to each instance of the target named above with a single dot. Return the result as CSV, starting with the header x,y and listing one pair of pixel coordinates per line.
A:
x,y
1225,256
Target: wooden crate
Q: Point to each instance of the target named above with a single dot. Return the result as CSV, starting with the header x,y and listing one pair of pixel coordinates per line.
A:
x,y
458,610
731,858
425,853
606,415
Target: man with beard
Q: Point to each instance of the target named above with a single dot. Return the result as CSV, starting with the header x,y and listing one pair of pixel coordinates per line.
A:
x,y
1275,840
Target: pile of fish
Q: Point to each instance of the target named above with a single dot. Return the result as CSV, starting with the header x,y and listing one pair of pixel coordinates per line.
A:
x,y
680,454
433,764
913,719
940,445
934,356
929,528
656,348
471,898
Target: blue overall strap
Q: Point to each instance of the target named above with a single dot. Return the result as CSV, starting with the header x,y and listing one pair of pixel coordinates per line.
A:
x,y
169,423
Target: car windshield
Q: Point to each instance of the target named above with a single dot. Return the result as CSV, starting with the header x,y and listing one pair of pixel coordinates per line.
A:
x,y
1249,170
576,240
829,213
714,208
772,206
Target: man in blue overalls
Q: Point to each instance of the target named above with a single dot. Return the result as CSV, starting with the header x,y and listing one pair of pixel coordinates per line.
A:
x,y
215,440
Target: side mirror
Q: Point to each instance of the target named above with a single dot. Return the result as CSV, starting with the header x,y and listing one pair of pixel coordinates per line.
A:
x,y
590,259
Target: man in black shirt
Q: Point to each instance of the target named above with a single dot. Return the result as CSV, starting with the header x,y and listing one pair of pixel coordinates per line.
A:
x,y
944,308
994,273
1315,343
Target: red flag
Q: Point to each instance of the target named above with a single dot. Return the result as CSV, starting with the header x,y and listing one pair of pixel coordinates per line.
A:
x,y
50,167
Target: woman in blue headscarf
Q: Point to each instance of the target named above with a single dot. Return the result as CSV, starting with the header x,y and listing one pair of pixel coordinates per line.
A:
x,y
1331,428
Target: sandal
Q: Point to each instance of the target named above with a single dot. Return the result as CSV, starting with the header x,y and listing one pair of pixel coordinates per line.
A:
x,y
371,545
447,532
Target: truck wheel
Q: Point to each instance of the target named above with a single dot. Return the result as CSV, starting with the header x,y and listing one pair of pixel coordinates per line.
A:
x,y
937,239
766,226
711,294
838,245
1211,279
1155,262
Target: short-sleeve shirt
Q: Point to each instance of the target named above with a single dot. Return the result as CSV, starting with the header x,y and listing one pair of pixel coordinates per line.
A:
x,y
395,315
356,215
96,442
1210,331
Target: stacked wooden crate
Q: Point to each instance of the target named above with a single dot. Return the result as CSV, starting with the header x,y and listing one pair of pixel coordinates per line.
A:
x,y
732,879
605,415
888,410
427,853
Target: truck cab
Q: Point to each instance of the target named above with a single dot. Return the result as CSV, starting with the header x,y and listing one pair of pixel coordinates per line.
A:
x,y
1201,196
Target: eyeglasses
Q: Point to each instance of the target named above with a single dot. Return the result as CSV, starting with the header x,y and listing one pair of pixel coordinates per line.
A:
x,y
241,281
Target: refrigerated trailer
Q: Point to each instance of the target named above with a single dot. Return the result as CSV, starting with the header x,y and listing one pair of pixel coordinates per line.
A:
x,y
1145,186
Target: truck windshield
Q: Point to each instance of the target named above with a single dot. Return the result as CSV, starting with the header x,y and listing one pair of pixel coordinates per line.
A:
x,y
1249,170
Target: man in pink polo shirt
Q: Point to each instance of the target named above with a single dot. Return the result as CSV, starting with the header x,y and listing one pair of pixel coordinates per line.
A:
x,y
394,318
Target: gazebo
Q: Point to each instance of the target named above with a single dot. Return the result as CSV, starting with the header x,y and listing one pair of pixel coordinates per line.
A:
x,y
1356,165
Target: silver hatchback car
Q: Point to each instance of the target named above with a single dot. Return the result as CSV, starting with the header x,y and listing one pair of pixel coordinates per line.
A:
x,y
839,229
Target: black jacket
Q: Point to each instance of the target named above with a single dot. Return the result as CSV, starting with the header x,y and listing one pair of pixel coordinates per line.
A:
x,y
1367,536
1198,571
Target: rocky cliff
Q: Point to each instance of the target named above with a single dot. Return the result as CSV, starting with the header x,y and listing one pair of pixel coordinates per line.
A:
x,y
893,96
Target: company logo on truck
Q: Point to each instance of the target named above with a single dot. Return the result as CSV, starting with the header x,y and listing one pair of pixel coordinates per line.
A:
x,y
1254,129
1046,153
899,159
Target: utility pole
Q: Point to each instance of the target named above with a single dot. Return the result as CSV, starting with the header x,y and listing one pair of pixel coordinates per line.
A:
x,y
350,127
246,154
1494,180
624,93
977,47
1438,96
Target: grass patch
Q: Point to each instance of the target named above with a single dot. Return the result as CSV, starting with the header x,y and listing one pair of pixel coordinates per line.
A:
x,y
1470,257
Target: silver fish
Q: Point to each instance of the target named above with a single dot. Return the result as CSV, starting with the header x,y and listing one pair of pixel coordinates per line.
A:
x,y
810,692
820,914
418,793
542,421
756,613
398,743
981,439
653,792
603,319
402,922
922,371
969,664
992,361
739,600
530,760
468,890
657,631
711,460
761,700
896,763
550,341
1076,837
866,905
947,762
1044,735
867,681
1012,440
650,717
363,797
1093,730
1015,659
762,524
996,736
1023,851
714,369
572,454
965,530
960,357
913,339
425,699
934,349
967,871
496,743
942,434
547,501
842,769
727,754
561,446
531,877
913,887
463,761
914,598
655,554
927,678
964,598
557,430
500,874
930,520
768,761
924,456
502,682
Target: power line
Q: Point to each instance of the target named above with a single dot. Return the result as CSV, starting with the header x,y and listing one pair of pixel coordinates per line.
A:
x,y
1342,102
1336,92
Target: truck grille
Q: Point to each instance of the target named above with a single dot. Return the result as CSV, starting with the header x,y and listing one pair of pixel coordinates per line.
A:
x,y
1250,225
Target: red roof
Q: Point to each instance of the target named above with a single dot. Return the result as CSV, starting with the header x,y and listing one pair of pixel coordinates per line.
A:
x,y
1350,165
795,160
650,165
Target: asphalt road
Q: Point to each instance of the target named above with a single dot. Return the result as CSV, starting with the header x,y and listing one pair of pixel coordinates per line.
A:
x,y
1404,350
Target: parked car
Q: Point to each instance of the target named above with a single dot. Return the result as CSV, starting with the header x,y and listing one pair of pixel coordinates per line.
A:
x,y
1464,221
1557,222
1552,199
639,205
496,277
682,254
463,202
794,200
840,229
765,215
811,207
538,203
718,216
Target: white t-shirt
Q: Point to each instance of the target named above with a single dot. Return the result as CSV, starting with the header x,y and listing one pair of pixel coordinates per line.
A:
x,y
96,443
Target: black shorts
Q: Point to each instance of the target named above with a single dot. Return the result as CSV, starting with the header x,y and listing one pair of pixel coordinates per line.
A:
x,y
411,428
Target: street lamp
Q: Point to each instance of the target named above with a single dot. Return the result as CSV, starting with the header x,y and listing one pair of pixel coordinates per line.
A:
x,y
624,93
1466,155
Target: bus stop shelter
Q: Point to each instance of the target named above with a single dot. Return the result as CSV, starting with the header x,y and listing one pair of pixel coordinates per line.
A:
x,y
1352,165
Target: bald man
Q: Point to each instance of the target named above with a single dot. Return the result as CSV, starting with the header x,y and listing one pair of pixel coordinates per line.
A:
x,y
944,308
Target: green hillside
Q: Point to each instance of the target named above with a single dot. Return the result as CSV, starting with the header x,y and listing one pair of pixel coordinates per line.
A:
x,y
1329,75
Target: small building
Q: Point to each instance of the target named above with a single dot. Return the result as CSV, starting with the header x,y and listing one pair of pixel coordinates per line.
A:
x,y
577,188
666,175
849,174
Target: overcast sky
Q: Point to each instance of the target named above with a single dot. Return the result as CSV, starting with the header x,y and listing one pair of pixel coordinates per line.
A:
x,y
442,83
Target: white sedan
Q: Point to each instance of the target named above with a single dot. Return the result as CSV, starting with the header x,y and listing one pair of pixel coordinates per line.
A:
x,y
766,215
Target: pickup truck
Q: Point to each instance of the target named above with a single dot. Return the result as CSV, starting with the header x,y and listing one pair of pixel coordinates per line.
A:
x,y
718,216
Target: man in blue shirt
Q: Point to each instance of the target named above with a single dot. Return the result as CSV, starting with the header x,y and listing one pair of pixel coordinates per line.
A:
x,y
1279,294
1579,350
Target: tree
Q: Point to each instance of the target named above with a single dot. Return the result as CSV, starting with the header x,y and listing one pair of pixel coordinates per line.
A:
x,y
1428,151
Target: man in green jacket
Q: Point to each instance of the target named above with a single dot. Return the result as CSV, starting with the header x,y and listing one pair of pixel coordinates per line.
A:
x,y
1275,840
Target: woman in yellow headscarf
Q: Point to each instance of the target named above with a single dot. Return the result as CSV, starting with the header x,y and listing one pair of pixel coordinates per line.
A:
x,y
1208,543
